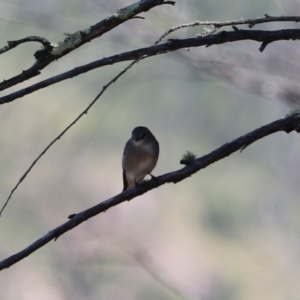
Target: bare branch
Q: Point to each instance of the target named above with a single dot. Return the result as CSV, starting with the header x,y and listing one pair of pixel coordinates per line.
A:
x,y
73,41
217,25
287,125
266,37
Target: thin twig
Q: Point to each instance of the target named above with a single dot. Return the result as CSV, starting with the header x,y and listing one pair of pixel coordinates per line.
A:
x,y
63,132
216,25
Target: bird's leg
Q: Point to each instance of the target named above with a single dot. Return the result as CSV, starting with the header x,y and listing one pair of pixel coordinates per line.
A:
x,y
143,181
140,182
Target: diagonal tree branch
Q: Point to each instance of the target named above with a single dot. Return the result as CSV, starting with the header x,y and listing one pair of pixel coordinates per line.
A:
x,y
287,125
53,51
265,37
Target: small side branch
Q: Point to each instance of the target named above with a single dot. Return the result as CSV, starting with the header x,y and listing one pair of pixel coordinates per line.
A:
x,y
287,125
12,44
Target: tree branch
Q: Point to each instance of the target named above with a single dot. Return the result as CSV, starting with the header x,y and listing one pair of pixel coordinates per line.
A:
x,y
287,124
265,37
54,51
217,25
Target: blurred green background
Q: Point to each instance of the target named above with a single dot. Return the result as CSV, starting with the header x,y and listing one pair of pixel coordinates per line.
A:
x,y
230,231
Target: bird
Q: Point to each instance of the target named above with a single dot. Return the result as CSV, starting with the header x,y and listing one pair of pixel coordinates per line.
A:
x,y
139,157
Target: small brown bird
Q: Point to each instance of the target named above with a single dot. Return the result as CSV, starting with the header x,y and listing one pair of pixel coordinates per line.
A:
x,y
139,157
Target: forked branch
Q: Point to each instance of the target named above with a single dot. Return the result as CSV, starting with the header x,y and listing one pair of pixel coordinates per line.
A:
x,y
54,51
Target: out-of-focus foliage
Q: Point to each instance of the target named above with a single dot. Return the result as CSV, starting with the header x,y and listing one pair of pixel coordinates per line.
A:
x,y
229,232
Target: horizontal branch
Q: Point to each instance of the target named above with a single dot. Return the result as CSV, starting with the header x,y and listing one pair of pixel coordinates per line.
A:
x,y
53,51
287,125
216,25
265,37
250,22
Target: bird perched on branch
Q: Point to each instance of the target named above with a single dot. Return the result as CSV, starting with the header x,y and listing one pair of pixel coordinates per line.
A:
x,y
139,157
